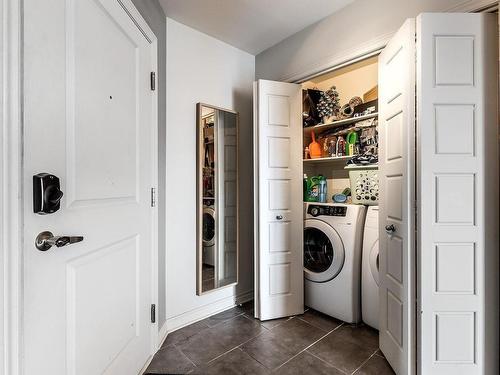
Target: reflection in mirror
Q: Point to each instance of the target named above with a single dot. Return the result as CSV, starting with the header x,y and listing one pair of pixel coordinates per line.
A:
x,y
217,260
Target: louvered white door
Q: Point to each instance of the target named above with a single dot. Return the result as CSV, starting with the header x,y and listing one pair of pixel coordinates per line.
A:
x,y
458,184
396,163
279,277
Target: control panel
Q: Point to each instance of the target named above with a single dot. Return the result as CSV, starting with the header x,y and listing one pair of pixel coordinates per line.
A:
x,y
319,210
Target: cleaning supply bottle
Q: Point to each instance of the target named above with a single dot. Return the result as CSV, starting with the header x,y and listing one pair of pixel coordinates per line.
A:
x,y
351,140
340,147
311,189
314,147
322,189
331,147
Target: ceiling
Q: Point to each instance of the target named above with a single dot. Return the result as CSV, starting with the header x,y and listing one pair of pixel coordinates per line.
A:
x,y
250,25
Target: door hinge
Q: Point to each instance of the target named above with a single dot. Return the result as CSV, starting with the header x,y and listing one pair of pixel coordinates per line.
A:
x,y
153,197
153,81
153,313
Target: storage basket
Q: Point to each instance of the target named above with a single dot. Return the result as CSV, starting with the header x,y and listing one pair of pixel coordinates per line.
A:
x,y
364,186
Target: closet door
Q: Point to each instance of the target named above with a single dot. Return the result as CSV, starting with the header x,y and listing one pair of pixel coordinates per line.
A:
x,y
279,280
397,176
458,192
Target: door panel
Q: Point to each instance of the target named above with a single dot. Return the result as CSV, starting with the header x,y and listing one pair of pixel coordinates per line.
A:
x,y
458,185
396,164
278,200
88,119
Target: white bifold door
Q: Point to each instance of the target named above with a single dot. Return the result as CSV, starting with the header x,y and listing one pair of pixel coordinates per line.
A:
x,y
89,119
279,281
397,199
457,185
438,196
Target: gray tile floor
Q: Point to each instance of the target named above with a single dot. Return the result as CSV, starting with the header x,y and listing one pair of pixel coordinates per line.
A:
x,y
233,342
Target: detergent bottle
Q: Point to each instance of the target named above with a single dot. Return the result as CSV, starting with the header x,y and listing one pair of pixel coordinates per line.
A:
x,y
311,189
322,189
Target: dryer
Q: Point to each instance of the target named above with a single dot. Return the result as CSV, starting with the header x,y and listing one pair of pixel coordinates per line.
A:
x,y
208,235
332,259
370,270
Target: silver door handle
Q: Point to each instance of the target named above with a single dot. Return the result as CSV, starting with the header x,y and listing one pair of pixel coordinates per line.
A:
x,y
390,229
45,240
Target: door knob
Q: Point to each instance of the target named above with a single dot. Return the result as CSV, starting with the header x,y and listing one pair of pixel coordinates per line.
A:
x,y
390,229
45,240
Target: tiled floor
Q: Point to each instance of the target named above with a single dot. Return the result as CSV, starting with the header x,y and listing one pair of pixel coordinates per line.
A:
x,y
233,342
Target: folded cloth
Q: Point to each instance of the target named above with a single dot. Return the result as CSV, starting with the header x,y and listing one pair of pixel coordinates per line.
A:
x,y
365,159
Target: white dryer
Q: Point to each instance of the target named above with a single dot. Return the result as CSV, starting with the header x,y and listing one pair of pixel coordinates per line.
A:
x,y
208,235
332,259
369,270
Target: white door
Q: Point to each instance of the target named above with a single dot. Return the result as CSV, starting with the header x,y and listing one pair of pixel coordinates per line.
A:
x,y
458,185
88,119
279,280
397,173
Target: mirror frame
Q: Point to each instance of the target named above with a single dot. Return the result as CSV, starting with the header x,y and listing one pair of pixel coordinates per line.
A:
x,y
199,197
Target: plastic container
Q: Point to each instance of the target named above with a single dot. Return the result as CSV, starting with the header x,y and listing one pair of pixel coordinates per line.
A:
x,y
323,190
311,188
364,186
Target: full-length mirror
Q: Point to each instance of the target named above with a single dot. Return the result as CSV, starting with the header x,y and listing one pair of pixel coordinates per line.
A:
x,y
217,256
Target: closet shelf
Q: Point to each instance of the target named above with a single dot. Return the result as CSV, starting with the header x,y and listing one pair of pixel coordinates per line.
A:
x,y
335,124
362,166
328,160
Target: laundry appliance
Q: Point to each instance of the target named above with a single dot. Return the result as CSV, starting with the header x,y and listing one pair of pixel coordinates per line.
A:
x,y
332,259
208,235
370,270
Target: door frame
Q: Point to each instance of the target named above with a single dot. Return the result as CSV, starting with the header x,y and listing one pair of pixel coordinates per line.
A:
x,y
11,182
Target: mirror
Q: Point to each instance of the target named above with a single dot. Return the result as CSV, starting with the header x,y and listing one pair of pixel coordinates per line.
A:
x,y
217,219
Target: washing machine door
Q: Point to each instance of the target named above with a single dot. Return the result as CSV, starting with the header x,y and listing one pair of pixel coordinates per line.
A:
x,y
374,261
208,230
323,251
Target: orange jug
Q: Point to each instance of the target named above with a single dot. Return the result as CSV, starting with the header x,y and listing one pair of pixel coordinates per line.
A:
x,y
314,147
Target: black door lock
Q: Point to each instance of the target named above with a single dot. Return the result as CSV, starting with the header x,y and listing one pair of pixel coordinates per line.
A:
x,y
46,194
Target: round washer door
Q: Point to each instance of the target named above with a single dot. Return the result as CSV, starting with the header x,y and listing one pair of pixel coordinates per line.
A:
x,y
374,262
208,226
323,251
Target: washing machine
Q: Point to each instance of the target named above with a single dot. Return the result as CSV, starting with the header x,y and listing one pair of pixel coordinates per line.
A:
x,y
208,235
332,259
370,270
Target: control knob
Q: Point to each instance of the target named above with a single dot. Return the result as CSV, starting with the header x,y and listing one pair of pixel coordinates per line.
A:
x,y
314,211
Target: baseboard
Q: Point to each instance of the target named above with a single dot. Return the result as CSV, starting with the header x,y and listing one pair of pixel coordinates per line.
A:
x,y
203,312
244,297
162,334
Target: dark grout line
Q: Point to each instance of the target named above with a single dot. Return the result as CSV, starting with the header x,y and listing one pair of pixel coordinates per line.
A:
x,y
221,355
365,362
223,321
184,354
307,347
240,345
329,364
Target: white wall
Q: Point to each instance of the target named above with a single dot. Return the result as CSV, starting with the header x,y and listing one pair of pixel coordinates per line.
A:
x,y
344,35
202,69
